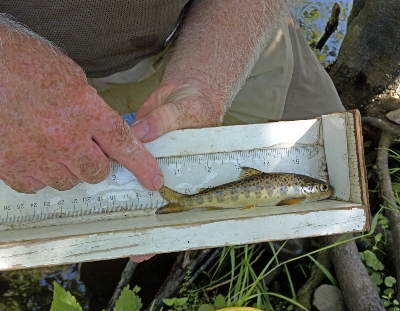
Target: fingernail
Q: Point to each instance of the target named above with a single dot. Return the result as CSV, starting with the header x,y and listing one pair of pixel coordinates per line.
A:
x,y
140,129
158,182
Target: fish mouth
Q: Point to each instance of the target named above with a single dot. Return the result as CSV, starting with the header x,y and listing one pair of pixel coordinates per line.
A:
x,y
328,194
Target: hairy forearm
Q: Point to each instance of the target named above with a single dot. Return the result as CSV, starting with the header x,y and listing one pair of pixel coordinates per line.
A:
x,y
9,24
220,42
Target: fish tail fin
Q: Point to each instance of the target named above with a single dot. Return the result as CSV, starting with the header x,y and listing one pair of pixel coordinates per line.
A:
x,y
175,202
170,195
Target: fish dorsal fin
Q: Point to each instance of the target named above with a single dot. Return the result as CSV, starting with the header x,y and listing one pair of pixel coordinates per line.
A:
x,y
248,172
203,189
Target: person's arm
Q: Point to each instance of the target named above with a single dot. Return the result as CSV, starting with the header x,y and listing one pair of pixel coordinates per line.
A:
x,y
54,128
215,51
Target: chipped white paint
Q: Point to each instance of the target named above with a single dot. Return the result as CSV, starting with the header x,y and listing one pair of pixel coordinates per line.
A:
x,y
189,230
335,142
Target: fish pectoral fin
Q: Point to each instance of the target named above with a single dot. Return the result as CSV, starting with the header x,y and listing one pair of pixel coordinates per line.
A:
x,y
248,207
248,171
290,201
209,208
173,208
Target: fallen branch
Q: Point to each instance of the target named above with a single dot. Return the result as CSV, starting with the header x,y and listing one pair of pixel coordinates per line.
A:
x,y
330,27
382,125
125,279
357,289
185,262
392,212
305,293
200,270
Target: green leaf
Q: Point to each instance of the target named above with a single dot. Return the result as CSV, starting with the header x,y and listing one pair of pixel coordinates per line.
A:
x,y
181,301
383,220
169,301
389,281
372,261
220,302
376,278
315,14
206,307
389,292
379,266
63,300
378,237
128,300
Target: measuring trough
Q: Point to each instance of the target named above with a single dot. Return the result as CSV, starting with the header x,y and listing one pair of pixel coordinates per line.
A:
x,y
116,218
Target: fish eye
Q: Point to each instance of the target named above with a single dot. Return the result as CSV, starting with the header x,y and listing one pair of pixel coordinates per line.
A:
x,y
324,187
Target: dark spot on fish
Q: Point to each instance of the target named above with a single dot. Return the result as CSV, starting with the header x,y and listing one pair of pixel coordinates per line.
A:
x,y
199,200
247,194
234,196
209,198
284,190
220,199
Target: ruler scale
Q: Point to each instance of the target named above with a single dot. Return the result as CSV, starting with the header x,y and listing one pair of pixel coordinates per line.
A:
x,y
121,191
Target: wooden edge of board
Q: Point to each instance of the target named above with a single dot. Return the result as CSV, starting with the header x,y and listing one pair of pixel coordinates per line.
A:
x,y
355,163
119,239
362,173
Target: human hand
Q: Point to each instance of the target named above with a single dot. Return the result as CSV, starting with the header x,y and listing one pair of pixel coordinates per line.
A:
x,y
141,258
177,104
54,128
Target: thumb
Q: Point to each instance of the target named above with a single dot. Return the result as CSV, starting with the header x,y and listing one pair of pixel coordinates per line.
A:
x,y
166,93
183,107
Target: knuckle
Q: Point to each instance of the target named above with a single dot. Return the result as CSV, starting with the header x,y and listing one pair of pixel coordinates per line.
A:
x,y
67,182
93,169
120,132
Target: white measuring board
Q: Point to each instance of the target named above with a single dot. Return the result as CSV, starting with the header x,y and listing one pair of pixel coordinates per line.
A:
x,y
188,165
116,218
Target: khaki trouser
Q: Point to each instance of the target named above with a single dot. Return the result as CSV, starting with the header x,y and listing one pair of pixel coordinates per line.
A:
x,y
287,83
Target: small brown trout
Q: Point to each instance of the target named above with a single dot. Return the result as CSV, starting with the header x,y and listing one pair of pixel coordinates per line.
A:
x,y
254,188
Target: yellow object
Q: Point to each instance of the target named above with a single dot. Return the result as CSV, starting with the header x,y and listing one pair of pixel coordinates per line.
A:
x,y
239,309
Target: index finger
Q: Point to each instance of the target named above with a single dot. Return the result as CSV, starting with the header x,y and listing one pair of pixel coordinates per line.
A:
x,y
117,140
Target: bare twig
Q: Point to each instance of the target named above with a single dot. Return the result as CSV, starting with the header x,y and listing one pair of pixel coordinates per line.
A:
x,y
304,295
392,213
331,26
200,270
125,279
357,289
382,125
185,262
